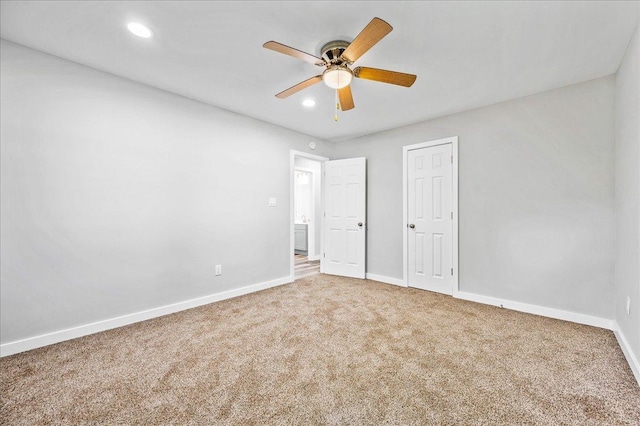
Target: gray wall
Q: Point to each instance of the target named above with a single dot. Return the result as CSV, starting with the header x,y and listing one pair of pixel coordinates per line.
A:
x,y
535,197
117,197
627,183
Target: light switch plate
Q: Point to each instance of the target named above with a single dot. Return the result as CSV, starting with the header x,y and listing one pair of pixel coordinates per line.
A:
x,y
272,202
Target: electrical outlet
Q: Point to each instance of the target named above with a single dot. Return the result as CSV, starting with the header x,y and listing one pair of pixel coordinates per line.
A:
x,y
628,305
218,270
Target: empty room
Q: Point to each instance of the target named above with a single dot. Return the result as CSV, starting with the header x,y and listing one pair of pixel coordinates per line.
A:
x,y
320,213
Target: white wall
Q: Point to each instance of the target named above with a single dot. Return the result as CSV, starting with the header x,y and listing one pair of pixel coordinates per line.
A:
x,y
316,166
627,198
303,187
117,197
535,197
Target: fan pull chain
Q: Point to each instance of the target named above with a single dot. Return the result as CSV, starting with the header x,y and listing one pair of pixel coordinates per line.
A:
x,y
335,117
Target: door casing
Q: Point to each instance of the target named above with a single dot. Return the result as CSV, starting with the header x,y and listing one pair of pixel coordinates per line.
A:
x,y
405,211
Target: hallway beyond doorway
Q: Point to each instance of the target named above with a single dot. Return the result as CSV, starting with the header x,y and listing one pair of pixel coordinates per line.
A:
x,y
305,267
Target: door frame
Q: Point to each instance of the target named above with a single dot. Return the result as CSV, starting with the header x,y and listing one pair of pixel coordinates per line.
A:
x,y
405,209
292,176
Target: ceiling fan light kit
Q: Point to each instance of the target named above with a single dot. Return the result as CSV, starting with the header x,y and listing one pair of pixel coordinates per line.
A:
x,y
337,56
337,76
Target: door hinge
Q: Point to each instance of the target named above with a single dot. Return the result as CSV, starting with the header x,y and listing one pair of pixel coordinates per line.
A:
x,y
452,159
324,254
451,215
451,271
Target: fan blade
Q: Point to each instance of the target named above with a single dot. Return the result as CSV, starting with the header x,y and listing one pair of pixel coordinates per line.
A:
x,y
368,37
298,87
281,48
346,99
384,76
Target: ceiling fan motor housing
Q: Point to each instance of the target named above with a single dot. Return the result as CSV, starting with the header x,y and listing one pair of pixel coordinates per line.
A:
x,y
332,52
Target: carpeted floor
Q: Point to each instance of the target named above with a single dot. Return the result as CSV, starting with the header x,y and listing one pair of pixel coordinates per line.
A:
x,y
328,350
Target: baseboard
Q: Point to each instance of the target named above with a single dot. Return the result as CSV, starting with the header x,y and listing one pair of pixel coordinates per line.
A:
x,y
17,346
316,257
386,280
628,353
538,310
516,306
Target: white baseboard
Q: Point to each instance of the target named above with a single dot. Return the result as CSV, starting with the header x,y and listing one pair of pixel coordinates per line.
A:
x,y
316,257
538,310
386,280
516,306
628,352
17,346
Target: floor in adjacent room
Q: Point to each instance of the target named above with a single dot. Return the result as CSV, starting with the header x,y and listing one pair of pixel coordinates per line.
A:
x,y
305,267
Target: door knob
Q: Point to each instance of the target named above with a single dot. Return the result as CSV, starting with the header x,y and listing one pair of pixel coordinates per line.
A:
x,y
411,225
360,224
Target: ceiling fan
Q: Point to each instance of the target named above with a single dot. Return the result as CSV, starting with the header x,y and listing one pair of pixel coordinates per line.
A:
x,y
337,56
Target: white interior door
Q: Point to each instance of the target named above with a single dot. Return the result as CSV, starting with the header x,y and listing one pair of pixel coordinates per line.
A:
x,y
345,216
430,218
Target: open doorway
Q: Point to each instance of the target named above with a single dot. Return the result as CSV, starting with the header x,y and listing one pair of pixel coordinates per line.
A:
x,y
304,210
306,213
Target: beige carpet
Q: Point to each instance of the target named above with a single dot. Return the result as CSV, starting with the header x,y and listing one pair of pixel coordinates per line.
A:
x,y
328,350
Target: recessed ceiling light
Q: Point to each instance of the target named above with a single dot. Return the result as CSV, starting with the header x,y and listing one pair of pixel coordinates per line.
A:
x,y
139,29
308,103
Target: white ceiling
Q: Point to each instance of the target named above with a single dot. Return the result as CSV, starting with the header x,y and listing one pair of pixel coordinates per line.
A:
x,y
466,54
